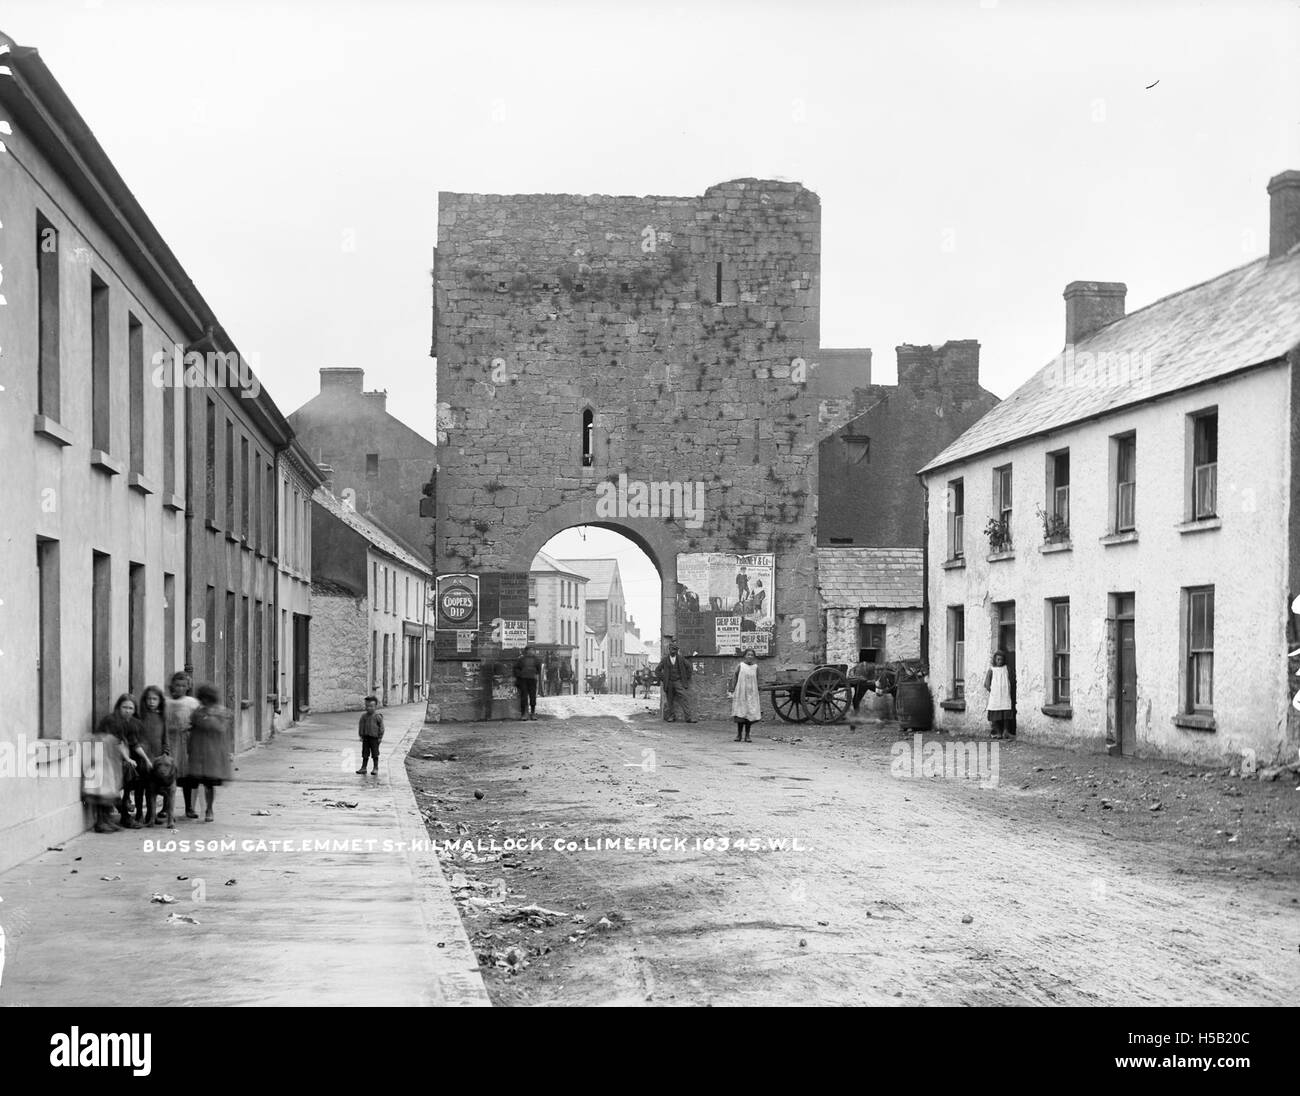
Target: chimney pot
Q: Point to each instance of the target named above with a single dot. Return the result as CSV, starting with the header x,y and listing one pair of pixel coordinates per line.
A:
x,y
1090,306
1283,213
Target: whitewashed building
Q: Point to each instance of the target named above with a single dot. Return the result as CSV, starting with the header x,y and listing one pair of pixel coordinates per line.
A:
x,y
557,614
1125,524
635,653
297,478
371,626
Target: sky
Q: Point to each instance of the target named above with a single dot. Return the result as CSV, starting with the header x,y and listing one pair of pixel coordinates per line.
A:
x,y
972,156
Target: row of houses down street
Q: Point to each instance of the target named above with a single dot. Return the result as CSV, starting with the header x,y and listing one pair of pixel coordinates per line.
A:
x,y
159,509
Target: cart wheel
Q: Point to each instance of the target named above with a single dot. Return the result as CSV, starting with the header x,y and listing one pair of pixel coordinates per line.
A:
x,y
826,695
787,704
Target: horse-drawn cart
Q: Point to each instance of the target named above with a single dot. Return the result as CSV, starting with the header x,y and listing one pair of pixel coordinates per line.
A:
x,y
822,695
825,694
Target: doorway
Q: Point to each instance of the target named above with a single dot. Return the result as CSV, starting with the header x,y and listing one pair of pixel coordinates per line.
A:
x,y
1125,674
1005,632
387,667
301,639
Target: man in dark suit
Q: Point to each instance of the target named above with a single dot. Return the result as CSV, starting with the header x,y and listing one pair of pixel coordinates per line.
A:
x,y
675,678
528,668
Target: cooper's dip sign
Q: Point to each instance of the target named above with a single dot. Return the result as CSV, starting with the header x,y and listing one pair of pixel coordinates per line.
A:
x,y
457,601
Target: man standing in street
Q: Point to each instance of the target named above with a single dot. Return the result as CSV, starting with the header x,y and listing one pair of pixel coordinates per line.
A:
x,y
675,679
528,668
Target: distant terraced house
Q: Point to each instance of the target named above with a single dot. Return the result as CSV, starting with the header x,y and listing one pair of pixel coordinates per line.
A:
x,y
371,628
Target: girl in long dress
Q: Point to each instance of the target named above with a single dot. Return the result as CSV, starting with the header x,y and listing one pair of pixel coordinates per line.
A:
x,y
180,709
211,745
118,735
744,696
153,718
1002,697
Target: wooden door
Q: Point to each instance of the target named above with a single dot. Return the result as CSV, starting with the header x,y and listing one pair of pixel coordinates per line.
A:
x,y
1127,676
301,634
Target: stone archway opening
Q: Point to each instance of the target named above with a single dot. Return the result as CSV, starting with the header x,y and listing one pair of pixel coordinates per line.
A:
x,y
595,610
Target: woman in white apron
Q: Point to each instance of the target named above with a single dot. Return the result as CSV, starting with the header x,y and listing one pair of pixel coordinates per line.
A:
x,y
1001,692
744,697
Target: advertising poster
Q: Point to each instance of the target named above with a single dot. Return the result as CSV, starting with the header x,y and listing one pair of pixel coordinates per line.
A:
x,y
480,616
725,602
457,603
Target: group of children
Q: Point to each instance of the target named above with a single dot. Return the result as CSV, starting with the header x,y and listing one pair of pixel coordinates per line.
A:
x,y
142,752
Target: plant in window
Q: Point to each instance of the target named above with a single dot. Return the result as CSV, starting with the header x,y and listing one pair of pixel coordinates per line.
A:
x,y
1056,527
999,533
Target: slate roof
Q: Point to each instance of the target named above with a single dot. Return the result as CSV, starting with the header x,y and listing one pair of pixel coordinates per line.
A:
x,y
378,536
323,587
544,564
601,573
1246,317
877,578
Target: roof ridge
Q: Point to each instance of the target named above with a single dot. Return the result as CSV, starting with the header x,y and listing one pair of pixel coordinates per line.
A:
x,y
1161,300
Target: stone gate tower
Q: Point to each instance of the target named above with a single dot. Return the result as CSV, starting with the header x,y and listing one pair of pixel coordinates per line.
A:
x,y
588,344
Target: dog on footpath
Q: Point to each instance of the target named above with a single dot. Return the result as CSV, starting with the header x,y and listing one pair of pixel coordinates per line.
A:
x,y
162,782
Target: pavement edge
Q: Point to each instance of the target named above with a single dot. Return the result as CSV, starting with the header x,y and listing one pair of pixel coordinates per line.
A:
x,y
459,983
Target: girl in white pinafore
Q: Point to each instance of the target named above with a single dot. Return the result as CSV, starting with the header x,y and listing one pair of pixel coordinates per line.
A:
x,y
744,697
1002,702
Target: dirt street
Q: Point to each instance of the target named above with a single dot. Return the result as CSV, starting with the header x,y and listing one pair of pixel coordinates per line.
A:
x,y
1074,879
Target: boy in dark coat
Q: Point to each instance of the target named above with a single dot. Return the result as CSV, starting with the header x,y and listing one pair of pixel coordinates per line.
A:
x,y
370,729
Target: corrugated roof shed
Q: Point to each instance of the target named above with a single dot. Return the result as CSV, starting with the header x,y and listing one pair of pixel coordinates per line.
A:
x,y
877,578
1248,316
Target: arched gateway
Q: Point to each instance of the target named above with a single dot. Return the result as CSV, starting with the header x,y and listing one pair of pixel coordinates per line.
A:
x,y
640,364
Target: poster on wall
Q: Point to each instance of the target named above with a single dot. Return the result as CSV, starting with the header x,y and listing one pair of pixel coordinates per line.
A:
x,y
457,603
725,602
480,616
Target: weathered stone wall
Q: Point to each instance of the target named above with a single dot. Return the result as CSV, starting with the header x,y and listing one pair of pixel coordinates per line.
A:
x,y
870,495
550,304
339,674
902,633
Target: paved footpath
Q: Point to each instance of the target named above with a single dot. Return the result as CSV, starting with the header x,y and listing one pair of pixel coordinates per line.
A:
x,y
364,921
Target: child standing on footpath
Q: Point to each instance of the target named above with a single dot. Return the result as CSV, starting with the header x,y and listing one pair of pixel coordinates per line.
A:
x,y
370,729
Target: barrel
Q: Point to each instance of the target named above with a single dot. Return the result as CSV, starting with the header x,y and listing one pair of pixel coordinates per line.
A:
x,y
913,705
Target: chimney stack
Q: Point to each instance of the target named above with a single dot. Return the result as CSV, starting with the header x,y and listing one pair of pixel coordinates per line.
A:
x,y
916,366
1090,306
959,369
378,400
1283,213
342,379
